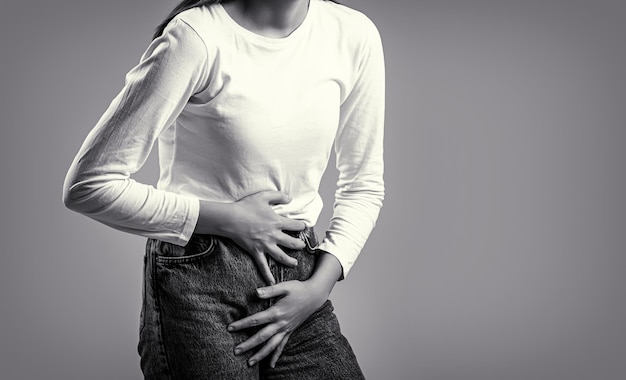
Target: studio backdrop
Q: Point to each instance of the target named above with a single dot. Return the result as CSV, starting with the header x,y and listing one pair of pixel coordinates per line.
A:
x,y
499,252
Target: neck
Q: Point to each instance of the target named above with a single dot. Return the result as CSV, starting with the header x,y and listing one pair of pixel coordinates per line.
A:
x,y
270,18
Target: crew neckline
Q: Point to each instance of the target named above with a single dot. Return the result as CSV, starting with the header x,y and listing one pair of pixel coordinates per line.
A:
x,y
264,40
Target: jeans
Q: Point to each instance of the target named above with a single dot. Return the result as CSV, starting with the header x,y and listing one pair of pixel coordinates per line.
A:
x,y
192,293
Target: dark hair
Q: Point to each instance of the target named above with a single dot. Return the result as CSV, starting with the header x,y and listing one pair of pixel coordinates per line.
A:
x,y
183,6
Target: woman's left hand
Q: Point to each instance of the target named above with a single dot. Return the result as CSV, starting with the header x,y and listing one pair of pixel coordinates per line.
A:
x,y
299,300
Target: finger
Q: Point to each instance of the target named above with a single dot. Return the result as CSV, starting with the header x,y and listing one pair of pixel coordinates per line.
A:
x,y
279,350
280,256
280,289
290,242
292,224
275,197
257,319
261,336
264,267
270,346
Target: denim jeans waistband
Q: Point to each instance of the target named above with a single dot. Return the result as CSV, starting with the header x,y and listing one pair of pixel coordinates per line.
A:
x,y
308,236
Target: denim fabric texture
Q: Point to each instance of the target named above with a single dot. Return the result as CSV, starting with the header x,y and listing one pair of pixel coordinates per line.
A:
x,y
192,293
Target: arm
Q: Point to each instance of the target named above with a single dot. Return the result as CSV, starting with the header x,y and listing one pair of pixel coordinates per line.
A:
x,y
359,195
299,300
99,184
359,153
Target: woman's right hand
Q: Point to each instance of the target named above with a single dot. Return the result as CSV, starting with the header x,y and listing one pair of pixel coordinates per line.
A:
x,y
254,226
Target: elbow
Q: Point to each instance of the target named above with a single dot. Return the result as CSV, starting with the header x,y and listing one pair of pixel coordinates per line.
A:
x,y
74,189
90,189
68,195
71,195
83,195
69,200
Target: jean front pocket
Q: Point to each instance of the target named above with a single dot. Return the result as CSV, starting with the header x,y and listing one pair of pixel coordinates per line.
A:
x,y
198,248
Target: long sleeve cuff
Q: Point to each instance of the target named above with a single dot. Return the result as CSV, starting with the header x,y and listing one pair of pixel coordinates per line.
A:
x,y
346,260
190,224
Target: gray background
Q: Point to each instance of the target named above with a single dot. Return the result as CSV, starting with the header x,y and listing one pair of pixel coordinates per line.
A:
x,y
499,253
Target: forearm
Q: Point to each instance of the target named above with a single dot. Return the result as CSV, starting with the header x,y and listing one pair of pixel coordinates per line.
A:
x,y
129,206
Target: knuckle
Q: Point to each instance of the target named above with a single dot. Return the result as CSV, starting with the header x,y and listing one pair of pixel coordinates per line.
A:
x,y
279,315
275,314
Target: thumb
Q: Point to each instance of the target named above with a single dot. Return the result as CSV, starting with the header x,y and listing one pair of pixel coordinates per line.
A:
x,y
272,291
277,197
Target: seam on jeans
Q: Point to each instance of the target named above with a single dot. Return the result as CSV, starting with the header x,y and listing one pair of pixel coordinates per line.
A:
x,y
144,288
157,306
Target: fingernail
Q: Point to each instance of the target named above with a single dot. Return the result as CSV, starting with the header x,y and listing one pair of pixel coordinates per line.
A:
x,y
251,362
237,351
260,291
294,263
231,328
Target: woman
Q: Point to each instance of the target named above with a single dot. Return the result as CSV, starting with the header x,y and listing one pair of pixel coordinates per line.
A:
x,y
246,99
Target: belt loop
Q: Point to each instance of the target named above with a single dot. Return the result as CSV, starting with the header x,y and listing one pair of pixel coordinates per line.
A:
x,y
304,235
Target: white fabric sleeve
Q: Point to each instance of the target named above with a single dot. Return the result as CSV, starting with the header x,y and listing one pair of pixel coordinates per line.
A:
x,y
98,184
359,152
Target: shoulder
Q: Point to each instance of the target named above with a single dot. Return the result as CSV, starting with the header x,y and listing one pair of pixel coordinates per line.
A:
x,y
349,25
178,41
203,22
346,18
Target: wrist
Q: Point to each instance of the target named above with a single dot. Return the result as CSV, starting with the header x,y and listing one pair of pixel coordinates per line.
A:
x,y
327,273
214,218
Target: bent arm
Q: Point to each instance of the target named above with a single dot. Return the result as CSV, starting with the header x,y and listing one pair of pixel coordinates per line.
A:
x,y
359,152
99,184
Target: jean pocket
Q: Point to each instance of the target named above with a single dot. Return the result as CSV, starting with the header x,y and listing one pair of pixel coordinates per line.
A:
x,y
198,248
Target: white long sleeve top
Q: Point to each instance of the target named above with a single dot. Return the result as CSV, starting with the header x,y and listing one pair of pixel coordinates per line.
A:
x,y
235,113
